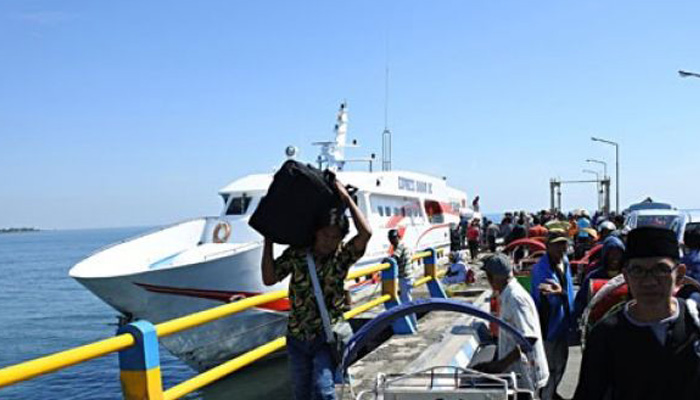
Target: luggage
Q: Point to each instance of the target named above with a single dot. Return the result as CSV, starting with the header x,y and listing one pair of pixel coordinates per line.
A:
x,y
298,196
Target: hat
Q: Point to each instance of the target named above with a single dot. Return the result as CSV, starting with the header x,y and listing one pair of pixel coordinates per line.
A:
x,y
393,233
498,264
650,241
557,235
606,225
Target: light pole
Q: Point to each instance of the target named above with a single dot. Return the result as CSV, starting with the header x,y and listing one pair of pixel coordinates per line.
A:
x,y
597,183
590,171
605,165
617,170
687,74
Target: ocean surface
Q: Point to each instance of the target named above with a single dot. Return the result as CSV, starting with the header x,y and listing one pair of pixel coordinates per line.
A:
x,y
43,311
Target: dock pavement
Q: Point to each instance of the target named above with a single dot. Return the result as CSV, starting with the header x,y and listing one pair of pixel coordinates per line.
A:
x,y
440,339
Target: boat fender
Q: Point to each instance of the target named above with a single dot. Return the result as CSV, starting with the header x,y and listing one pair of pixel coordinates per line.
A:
x,y
217,230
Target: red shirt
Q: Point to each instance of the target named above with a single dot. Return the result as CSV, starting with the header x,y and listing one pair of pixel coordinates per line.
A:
x,y
473,233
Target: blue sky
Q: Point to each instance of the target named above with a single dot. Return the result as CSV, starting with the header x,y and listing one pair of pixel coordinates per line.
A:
x,y
136,113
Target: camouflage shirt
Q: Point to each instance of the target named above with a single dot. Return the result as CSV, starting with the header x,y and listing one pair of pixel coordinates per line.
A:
x,y
304,318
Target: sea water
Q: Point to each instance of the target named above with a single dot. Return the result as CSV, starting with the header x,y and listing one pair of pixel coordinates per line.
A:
x,y
43,311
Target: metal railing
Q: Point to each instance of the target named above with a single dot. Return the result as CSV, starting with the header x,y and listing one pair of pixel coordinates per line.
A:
x,y
143,380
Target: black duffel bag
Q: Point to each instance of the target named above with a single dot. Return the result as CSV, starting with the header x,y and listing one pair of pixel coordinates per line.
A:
x,y
298,196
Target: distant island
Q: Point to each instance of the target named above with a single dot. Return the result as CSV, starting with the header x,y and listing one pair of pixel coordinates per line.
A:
x,y
18,230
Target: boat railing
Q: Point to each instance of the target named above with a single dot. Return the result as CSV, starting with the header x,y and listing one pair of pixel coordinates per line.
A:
x,y
137,342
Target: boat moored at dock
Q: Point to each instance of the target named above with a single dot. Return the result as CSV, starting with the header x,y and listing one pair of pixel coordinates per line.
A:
x,y
200,263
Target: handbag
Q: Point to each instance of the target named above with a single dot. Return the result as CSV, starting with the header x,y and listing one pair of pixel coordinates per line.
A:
x,y
338,334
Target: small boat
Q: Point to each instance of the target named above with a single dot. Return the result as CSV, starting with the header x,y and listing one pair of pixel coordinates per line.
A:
x,y
204,262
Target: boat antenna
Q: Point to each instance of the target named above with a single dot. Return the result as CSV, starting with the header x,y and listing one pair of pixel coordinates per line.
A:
x,y
386,135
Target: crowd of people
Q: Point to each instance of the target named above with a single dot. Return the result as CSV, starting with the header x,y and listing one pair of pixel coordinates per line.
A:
x,y
649,348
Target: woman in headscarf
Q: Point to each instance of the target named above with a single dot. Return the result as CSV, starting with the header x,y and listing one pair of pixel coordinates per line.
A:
x,y
609,267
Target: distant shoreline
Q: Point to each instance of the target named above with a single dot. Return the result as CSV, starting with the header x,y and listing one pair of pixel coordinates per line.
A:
x,y
18,230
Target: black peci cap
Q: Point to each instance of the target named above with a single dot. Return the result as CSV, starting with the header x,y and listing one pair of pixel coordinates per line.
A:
x,y
650,241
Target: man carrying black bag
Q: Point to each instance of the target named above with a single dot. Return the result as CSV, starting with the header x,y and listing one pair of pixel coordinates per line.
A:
x,y
311,362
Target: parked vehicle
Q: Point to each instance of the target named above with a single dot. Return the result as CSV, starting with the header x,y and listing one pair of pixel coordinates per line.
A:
x,y
661,218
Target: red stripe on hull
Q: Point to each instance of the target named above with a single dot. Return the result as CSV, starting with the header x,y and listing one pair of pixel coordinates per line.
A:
x,y
219,295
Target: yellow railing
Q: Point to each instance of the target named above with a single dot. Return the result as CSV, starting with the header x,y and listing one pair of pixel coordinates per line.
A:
x,y
54,362
40,366
367,271
224,369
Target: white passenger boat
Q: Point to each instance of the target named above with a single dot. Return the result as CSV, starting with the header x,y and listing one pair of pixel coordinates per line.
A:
x,y
189,266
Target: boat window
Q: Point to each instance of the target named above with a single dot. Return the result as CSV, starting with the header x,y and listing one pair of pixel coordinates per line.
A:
x,y
434,211
396,211
238,205
225,197
387,211
381,211
403,211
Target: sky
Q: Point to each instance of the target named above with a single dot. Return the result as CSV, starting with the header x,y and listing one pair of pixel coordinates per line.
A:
x,y
136,113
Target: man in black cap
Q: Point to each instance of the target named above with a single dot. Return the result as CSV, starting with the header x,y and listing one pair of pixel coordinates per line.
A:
x,y
649,349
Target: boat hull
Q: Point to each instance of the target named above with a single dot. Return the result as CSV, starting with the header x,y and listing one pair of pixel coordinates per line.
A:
x,y
163,294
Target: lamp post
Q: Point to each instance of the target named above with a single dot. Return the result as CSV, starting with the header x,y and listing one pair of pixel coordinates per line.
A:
x,y
687,74
590,171
617,169
597,183
605,165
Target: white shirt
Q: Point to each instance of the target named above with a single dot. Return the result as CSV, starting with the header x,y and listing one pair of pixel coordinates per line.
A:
x,y
518,309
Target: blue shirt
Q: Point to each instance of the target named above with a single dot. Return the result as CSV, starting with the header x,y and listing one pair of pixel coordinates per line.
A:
x,y
692,263
556,311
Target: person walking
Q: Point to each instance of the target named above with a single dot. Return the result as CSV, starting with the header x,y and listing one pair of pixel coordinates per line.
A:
x,y
473,235
518,309
310,359
650,348
553,292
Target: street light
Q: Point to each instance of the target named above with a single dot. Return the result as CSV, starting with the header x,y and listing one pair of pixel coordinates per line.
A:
x,y
617,170
605,165
687,74
590,171
597,183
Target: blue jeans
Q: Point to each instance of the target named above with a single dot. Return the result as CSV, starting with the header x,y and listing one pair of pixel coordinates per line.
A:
x,y
405,290
311,369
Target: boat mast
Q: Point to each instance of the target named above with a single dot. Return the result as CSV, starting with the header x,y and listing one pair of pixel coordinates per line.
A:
x,y
332,153
386,135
